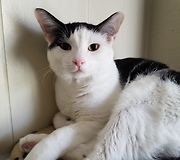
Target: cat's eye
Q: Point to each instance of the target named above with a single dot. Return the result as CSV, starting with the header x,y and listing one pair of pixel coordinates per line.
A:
x,y
65,46
93,47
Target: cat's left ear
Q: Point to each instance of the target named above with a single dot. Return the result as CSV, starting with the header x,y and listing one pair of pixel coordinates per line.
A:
x,y
111,25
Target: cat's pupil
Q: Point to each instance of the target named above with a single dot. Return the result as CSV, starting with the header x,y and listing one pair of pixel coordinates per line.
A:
x,y
93,47
65,46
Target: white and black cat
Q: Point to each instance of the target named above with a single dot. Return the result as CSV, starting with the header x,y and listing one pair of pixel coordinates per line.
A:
x,y
126,109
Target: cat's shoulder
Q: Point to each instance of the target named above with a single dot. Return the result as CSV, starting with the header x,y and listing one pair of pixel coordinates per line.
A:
x,y
130,68
129,64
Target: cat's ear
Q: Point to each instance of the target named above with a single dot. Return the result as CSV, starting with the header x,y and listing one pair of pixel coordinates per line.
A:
x,y
111,25
48,23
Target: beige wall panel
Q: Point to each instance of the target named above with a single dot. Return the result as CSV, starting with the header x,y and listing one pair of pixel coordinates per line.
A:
x,y
164,43
6,136
130,41
31,89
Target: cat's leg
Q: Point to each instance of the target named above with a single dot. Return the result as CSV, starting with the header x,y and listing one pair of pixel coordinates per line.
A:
x,y
28,142
134,131
64,139
61,120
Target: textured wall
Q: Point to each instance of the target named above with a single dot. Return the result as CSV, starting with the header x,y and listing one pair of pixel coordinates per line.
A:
x,y
26,91
164,42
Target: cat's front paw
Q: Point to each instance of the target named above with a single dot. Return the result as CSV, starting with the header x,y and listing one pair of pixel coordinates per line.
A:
x,y
28,142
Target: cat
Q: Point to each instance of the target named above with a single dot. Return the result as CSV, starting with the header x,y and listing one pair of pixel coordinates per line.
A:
x,y
125,109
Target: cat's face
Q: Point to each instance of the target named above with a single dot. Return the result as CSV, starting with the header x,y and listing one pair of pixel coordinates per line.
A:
x,y
78,50
81,55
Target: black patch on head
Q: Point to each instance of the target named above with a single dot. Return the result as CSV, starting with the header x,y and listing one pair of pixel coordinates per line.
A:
x,y
131,68
64,33
77,25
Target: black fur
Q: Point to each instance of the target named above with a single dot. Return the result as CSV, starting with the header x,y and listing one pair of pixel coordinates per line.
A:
x,y
170,74
170,159
130,68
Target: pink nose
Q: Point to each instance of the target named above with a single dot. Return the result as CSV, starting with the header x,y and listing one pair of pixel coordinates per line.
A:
x,y
78,63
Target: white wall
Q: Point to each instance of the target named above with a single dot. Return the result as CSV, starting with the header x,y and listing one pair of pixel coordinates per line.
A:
x,y
26,97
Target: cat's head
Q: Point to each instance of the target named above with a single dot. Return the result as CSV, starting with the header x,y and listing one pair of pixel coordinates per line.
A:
x,y
78,50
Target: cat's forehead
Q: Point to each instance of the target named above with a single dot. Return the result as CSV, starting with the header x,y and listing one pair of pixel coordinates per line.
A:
x,y
84,35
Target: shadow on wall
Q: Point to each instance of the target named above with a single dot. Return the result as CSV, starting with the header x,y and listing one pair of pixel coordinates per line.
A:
x,y
32,97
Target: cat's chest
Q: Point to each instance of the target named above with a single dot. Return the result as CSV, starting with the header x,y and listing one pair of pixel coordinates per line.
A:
x,y
74,103
74,100
85,101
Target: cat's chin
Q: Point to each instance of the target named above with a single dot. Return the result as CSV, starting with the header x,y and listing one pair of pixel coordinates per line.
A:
x,y
81,74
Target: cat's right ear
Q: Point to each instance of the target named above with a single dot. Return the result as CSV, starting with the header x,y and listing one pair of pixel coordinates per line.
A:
x,y
48,23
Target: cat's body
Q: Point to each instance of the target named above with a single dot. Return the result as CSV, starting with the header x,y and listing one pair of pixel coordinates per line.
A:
x,y
123,110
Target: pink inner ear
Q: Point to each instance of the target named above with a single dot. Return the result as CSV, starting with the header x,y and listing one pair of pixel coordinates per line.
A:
x,y
49,38
46,23
109,39
111,25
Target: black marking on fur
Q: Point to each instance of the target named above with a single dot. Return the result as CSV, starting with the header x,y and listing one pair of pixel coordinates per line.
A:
x,y
77,25
130,68
170,159
16,158
171,75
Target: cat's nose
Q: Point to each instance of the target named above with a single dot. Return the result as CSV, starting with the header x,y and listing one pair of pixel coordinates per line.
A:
x,y
78,63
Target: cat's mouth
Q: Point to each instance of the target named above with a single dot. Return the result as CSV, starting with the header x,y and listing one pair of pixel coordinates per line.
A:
x,y
78,71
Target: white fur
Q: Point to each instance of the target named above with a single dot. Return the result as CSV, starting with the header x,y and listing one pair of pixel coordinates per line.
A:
x,y
145,121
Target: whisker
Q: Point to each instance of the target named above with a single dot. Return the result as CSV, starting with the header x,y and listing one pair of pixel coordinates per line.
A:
x,y
48,73
44,69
